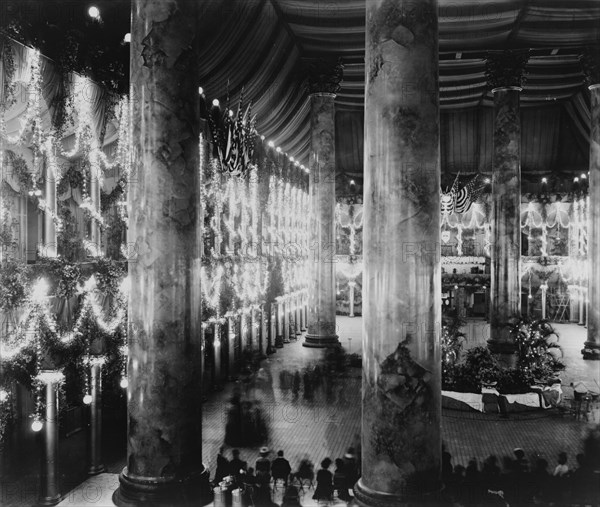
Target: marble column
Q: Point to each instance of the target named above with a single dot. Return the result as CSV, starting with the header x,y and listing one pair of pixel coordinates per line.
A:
x,y
351,285
324,82
50,477
286,321
401,387
581,300
217,355
50,247
164,432
231,347
504,74
591,348
96,465
544,288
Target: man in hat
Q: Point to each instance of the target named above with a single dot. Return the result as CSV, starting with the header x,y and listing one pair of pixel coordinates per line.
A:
x,y
521,464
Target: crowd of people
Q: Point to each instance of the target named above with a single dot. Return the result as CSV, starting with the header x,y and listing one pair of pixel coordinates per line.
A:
x,y
519,481
256,483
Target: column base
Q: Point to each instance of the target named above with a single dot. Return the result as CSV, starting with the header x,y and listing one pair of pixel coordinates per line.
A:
x,y
591,350
96,469
366,497
190,492
50,500
321,341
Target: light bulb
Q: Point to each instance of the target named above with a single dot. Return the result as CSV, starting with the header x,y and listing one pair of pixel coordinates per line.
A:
x,y
352,182
278,149
94,12
216,103
127,38
271,144
291,159
262,138
487,181
124,383
456,286
583,176
230,113
36,425
3,395
87,399
544,180
576,179
200,90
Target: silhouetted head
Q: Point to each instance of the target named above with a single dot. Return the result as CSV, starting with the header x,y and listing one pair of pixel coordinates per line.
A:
x,y
326,463
236,453
280,454
339,463
562,458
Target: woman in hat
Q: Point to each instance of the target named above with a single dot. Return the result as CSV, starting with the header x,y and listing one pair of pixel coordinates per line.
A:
x,y
263,467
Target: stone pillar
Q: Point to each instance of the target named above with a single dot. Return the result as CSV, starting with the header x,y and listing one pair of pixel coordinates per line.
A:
x,y
581,292
231,346
591,348
573,306
254,329
351,285
95,238
401,389
263,330
96,465
504,71
50,247
286,321
50,477
217,355
164,449
544,288
324,83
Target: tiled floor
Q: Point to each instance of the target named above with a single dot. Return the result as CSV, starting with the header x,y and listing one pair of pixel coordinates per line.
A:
x,y
327,424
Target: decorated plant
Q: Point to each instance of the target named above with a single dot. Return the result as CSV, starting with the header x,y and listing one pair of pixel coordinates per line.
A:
x,y
538,360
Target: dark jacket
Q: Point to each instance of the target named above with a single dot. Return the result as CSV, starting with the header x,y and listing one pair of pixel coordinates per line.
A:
x,y
280,468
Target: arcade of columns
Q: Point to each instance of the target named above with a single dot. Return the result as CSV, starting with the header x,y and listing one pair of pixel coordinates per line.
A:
x,y
401,442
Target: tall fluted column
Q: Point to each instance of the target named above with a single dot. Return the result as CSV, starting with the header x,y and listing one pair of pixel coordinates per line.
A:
x,y
324,83
96,465
504,71
164,449
401,393
49,485
591,348
217,355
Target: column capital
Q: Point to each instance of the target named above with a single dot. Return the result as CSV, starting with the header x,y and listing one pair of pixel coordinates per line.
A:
x,y
324,75
50,376
505,69
590,65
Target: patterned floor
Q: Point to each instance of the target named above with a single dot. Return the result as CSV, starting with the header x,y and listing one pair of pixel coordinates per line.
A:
x,y
327,424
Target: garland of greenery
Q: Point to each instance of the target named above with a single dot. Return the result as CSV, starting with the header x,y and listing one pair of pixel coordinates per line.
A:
x,y
8,63
21,171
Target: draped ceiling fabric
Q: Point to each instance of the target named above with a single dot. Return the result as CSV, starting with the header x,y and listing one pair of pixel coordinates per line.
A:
x,y
263,44
52,85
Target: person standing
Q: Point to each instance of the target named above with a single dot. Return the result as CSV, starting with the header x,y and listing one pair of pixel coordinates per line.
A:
x,y
324,489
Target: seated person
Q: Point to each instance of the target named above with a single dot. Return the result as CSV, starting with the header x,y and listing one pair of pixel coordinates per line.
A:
x,y
280,468
236,465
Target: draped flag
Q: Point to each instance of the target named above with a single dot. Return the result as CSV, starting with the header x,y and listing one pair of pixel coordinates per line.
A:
x,y
460,200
